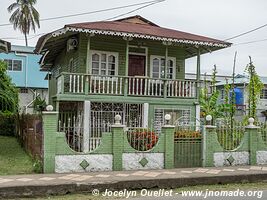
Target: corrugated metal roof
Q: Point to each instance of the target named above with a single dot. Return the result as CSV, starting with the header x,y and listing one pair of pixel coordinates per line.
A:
x,y
24,49
242,80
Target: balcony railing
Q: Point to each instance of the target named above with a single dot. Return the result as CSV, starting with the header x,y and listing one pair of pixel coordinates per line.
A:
x,y
124,86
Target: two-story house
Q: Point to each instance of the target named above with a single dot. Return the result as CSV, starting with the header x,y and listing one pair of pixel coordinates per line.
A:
x,y
23,68
132,67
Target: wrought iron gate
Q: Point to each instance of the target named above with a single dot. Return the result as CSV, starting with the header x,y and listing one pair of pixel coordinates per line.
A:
x,y
187,144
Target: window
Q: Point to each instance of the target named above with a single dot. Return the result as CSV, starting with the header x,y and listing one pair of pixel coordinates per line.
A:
x,y
104,63
23,90
264,93
158,67
14,65
222,94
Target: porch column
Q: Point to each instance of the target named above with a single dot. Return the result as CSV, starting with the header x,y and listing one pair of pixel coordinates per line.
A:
x,y
127,57
198,73
145,115
88,58
86,125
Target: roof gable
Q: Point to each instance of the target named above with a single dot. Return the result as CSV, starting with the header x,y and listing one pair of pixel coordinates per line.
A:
x,y
137,19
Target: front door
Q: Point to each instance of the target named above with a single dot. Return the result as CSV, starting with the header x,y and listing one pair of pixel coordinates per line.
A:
x,y
137,65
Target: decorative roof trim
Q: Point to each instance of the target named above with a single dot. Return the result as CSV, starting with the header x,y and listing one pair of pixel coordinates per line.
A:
x,y
135,35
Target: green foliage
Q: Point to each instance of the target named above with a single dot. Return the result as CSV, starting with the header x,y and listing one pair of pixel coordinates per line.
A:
x,y
255,87
8,124
209,102
25,17
37,166
39,104
8,91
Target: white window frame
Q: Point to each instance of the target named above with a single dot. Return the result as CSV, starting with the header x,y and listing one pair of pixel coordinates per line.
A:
x,y
263,95
108,53
173,59
13,64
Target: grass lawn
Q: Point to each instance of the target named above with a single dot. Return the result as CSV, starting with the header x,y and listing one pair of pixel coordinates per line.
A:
x,y
13,159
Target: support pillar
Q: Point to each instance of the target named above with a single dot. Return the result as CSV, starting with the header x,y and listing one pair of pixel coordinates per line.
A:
x,y
145,115
253,142
117,143
49,140
198,72
86,125
168,131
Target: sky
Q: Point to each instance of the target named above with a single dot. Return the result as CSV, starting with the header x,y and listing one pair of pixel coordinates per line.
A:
x,y
220,19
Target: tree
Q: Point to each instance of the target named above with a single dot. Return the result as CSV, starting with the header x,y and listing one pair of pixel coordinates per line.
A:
x,y
25,17
209,102
255,87
8,91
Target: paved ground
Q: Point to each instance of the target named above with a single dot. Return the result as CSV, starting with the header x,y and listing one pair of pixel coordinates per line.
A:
x,y
47,184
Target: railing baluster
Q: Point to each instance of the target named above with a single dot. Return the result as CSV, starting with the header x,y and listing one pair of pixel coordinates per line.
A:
x,y
74,83
149,85
129,85
141,86
116,92
120,85
94,84
78,83
82,77
108,85
137,88
152,88
133,83
112,86
99,84
176,88
70,77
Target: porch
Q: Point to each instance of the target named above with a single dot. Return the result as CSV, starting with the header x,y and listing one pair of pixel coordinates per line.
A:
x,y
86,84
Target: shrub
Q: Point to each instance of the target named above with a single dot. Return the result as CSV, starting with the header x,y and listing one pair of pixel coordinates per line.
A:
x,y
8,124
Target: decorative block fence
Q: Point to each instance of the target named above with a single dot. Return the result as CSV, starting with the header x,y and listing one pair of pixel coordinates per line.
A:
x,y
115,152
252,150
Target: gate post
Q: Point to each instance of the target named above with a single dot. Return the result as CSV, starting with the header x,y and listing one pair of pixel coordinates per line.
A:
x,y
253,135
168,131
117,143
49,139
209,143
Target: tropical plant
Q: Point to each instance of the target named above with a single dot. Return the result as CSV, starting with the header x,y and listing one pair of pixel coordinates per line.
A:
x,y
209,102
25,17
8,91
39,104
255,87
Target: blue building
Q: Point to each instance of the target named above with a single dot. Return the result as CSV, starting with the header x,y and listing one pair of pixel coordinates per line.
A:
x,y
24,69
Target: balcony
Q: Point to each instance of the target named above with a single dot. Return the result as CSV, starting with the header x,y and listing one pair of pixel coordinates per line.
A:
x,y
85,84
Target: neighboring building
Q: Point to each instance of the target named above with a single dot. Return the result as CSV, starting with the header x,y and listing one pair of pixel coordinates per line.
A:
x,y
130,67
24,69
241,96
4,46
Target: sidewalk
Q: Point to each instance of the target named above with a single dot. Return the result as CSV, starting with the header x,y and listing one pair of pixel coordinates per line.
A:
x,y
52,184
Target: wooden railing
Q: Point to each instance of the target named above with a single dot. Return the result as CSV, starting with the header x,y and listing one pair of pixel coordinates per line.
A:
x,y
125,86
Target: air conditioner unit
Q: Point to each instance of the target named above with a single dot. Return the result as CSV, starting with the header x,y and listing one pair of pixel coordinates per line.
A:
x,y
72,44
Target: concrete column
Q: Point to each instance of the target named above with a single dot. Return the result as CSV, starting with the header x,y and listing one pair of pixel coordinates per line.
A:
x,y
168,131
117,143
253,142
86,125
145,115
209,144
198,72
49,140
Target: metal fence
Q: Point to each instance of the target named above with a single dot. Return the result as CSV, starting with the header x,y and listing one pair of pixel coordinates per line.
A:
x,y
263,130
230,135
187,144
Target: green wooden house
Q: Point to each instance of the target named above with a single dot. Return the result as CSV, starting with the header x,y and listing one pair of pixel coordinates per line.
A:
x,y
131,67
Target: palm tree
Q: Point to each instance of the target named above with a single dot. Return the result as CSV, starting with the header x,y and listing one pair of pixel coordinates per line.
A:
x,y
25,17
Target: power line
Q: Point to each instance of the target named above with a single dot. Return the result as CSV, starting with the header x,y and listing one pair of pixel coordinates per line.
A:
x,y
139,8
96,11
247,32
250,42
